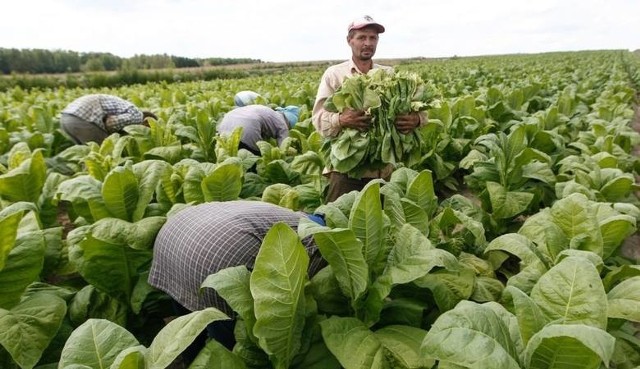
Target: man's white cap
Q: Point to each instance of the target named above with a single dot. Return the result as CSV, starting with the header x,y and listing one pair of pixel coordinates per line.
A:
x,y
365,21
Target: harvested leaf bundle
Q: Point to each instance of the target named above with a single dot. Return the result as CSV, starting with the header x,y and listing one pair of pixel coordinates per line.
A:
x,y
383,95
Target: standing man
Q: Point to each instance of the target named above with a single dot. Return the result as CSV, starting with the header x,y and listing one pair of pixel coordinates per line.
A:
x,y
362,37
259,123
94,117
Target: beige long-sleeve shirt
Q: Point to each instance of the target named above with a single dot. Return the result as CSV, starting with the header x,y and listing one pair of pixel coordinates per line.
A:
x,y
326,122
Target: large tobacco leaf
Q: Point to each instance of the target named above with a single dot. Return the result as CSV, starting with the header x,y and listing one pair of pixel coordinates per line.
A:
x,y
277,286
27,329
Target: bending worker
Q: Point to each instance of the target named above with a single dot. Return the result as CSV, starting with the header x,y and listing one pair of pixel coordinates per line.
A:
x,y
94,117
259,123
203,239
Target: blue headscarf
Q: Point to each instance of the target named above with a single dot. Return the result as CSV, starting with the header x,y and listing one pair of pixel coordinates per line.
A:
x,y
291,113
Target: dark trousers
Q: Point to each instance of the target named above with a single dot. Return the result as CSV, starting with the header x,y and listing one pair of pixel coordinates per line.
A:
x,y
243,145
340,183
80,130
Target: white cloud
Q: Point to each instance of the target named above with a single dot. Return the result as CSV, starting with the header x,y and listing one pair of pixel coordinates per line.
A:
x,y
288,30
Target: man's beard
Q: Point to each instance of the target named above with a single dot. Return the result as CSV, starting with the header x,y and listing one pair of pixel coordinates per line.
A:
x,y
368,57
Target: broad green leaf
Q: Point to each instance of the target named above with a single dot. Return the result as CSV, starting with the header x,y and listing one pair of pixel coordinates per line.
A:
x,y
149,175
617,189
575,216
473,336
449,287
528,277
30,222
392,208
141,234
539,171
130,358
27,329
343,251
352,343
279,171
588,255
96,343
530,318
511,321
368,226
619,274
281,194
415,215
333,216
614,231
216,356
517,245
25,182
624,300
317,356
569,346
8,233
247,348
232,284
486,289
422,192
177,335
277,286
413,256
507,204
121,192
170,184
224,183
90,302
109,264
85,193
627,351
572,293
404,344
19,153
541,229
170,154
23,266
193,184
326,291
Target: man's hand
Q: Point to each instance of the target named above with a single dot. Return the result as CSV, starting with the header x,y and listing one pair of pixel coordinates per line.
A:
x,y
407,122
357,119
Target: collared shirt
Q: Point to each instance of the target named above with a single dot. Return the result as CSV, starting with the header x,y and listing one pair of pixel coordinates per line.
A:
x,y
326,122
108,112
258,123
203,239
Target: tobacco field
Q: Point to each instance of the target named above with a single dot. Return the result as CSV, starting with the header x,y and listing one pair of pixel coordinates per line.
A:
x,y
510,241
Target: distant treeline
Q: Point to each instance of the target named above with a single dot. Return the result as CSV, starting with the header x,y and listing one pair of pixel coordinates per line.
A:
x,y
138,76
40,61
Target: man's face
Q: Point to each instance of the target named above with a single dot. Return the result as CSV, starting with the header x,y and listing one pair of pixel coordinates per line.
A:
x,y
363,43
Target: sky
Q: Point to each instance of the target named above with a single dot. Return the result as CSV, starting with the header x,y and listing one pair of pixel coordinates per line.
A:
x,y
300,30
